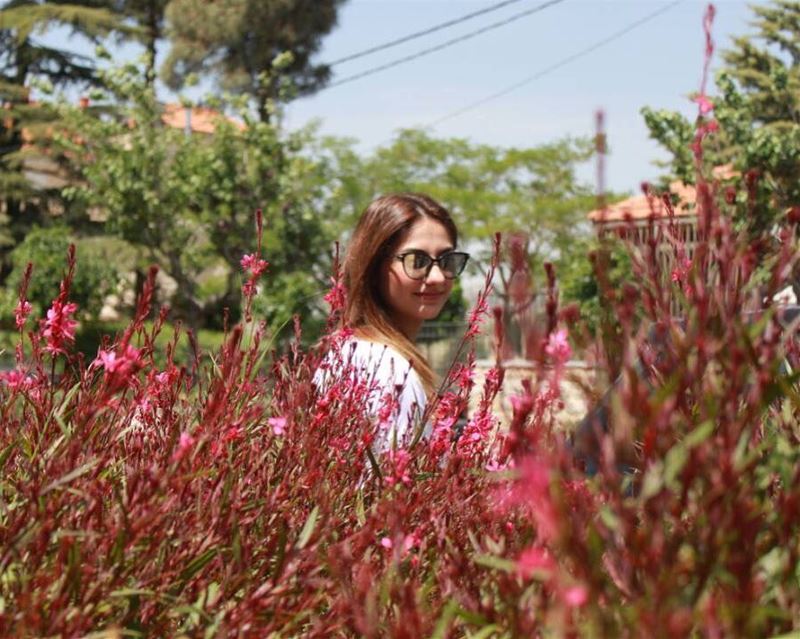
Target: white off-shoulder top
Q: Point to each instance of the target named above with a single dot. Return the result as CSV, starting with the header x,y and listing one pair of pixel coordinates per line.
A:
x,y
389,377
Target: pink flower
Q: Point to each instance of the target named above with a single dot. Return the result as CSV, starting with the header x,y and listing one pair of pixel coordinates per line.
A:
x,y
532,491
112,362
535,562
59,327
575,596
464,376
16,379
120,367
493,380
400,460
254,264
387,543
521,404
411,541
476,317
494,466
442,436
705,105
558,347
477,430
278,425
389,407
233,433
336,297
185,444
680,272
21,313
166,377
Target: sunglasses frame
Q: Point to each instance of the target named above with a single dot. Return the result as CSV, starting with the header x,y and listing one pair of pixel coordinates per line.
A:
x,y
433,260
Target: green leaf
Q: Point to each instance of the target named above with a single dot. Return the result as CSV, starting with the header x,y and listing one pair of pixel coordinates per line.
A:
x,y
448,614
6,453
59,412
308,528
70,476
361,514
609,518
485,632
699,434
653,481
497,563
198,563
674,462
374,463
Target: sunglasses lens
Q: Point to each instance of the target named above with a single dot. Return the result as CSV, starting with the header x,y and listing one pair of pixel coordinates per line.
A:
x,y
416,265
453,264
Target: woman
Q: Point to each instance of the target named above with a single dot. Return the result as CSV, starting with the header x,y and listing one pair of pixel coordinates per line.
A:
x,y
398,272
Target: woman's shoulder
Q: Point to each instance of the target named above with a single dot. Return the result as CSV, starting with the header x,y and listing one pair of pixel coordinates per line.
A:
x,y
361,351
375,361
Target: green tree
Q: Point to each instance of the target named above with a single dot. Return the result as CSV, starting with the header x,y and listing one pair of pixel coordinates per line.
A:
x,y
188,201
24,60
758,111
238,41
96,275
23,56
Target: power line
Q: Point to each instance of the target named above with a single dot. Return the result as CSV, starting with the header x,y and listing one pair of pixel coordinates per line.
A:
x,y
557,65
424,32
444,45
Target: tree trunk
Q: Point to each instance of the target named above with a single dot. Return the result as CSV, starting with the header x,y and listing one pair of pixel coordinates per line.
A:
x,y
153,35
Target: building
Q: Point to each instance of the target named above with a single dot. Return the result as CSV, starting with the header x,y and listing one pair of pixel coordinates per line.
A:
x,y
637,218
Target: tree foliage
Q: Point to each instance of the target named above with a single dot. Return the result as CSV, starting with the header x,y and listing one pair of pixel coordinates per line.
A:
x,y
148,17
24,56
758,113
488,189
238,41
189,200
45,248
25,59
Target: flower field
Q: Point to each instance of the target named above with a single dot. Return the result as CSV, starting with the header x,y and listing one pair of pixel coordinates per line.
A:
x,y
229,496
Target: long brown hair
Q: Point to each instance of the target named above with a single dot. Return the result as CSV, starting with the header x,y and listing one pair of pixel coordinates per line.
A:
x,y
382,227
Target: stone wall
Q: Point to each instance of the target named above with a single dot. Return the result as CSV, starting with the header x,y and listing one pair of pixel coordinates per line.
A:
x,y
576,387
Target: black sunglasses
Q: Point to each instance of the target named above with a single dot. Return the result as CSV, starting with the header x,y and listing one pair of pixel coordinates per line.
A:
x,y
418,264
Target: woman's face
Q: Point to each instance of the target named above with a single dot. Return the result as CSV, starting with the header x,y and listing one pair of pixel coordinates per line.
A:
x,y
411,301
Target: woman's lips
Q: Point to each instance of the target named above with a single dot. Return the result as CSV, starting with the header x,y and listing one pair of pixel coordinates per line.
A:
x,y
430,297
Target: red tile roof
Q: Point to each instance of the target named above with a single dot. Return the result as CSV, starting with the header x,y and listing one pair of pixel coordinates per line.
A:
x,y
642,207
200,119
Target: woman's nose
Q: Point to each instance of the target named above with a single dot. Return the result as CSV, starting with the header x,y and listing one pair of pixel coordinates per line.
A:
x,y
435,275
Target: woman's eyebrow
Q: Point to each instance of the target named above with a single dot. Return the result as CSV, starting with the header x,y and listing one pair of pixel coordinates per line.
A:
x,y
412,249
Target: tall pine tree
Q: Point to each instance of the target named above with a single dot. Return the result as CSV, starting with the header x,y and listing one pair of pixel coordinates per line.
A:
x,y
769,74
148,17
25,57
237,42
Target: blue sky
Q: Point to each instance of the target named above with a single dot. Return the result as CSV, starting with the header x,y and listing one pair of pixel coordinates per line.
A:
x,y
657,64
